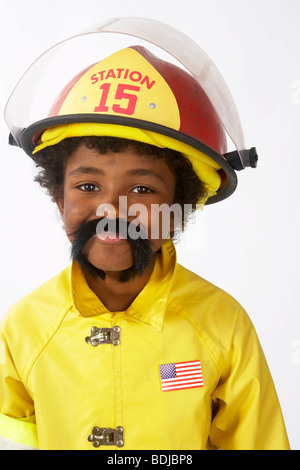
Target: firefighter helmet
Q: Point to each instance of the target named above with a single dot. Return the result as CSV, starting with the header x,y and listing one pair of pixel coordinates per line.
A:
x,y
134,94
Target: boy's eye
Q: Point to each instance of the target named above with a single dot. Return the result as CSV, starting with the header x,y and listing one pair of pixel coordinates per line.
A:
x,y
88,187
142,190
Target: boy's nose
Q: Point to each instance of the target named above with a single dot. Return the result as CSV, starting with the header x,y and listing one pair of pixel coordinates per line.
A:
x,y
113,208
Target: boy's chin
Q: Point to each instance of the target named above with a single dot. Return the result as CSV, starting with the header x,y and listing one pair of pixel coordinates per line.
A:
x,y
125,275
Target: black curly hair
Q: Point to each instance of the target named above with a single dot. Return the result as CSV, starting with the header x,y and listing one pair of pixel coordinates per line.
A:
x,y
51,162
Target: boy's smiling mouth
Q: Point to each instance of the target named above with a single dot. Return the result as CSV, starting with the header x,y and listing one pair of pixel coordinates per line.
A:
x,y
110,237
143,254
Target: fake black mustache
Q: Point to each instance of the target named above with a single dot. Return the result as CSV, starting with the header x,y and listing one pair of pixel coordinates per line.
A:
x,y
143,254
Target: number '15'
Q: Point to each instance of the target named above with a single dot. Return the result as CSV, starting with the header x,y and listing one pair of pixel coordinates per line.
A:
x,y
120,95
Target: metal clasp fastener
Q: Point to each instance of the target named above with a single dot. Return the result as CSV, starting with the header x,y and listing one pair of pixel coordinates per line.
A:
x,y
107,437
104,336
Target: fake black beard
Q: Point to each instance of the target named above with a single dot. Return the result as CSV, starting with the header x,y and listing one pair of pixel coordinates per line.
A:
x,y
143,255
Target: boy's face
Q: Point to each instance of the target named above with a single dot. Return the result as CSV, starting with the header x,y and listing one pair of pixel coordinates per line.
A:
x,y
93,184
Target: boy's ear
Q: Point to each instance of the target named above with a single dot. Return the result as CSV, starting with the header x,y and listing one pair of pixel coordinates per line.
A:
x,y
61,207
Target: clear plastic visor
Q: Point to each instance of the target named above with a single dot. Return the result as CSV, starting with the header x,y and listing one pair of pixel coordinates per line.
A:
x,y
37,90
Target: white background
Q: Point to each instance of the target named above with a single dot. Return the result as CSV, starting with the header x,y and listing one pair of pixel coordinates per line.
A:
x,y
249,243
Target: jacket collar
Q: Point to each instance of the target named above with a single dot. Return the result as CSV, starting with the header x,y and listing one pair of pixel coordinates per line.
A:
x,y
148,307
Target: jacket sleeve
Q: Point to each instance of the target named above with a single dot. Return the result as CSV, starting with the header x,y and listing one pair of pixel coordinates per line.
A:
x,y
247,414
17,420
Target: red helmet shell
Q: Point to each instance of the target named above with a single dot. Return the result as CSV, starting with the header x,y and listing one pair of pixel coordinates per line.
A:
x,y
198,119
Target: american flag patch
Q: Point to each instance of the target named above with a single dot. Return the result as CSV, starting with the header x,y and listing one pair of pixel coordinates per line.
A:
x,y
180,375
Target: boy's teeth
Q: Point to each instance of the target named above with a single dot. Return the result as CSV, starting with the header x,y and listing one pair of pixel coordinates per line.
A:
x,y
109,235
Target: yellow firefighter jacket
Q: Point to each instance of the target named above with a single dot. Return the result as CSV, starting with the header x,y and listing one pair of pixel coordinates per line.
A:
x,y
70,380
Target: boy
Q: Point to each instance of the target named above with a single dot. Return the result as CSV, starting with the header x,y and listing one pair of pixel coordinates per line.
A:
x,y
126,348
